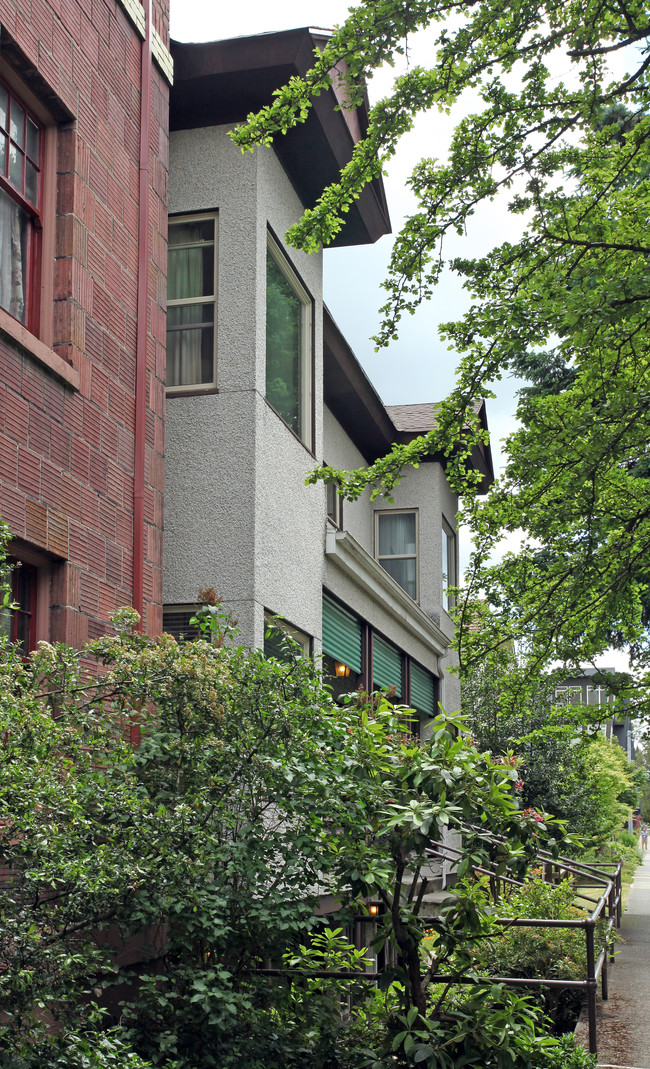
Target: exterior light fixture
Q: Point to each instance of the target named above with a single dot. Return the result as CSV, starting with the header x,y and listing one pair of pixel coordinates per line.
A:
x,y
341,670
373,910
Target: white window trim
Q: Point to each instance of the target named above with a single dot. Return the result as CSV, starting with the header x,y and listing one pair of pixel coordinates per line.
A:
x,y
306,347
448,600
199,387
401,556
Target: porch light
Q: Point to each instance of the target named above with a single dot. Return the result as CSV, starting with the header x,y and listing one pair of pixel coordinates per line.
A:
x,y
373,910
341,670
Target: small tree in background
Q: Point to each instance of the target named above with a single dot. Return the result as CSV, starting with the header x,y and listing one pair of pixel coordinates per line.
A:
x,y
566,766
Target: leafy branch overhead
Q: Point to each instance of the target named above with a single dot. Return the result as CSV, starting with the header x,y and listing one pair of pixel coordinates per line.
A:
x,y
558,96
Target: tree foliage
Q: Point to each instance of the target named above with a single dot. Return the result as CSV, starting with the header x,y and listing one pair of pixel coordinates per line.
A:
x,y
564,762
562,127
158,883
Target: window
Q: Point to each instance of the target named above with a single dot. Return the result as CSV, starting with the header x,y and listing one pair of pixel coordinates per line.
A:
x,y
448,565
424,690
275,634
334,506
176,622
21,153
396,540
342,648
191,302
386,665
288,344
19,624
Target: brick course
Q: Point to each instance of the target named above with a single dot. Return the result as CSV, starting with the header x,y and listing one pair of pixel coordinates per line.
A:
x,y
67,457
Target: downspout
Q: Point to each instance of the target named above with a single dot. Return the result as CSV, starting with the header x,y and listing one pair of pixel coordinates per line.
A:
x,y
142,319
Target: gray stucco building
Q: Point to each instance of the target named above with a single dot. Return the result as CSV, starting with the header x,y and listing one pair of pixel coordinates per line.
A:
x,y
262,385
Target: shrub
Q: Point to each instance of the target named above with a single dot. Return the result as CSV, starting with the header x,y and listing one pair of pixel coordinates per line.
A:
x,y
553,953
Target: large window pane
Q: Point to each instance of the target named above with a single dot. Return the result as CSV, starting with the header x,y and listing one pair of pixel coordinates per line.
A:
x,y
403,572
287,345
14,225
397,534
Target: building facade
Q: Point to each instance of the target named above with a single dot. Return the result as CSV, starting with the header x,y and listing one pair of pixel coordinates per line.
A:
x,y
84,93
262,385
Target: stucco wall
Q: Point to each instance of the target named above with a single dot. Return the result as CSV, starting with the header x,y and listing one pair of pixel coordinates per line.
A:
x,y
340,452
237,513
425,489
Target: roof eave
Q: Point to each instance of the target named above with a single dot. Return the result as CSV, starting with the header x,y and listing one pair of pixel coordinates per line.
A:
x,y
221,82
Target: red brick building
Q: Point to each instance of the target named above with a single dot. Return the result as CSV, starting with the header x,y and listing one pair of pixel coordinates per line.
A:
x,y
84,88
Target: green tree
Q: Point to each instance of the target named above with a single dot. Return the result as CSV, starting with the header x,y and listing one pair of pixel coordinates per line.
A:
x,y
565,765
570,295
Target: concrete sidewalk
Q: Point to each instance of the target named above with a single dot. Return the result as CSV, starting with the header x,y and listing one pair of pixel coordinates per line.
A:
x,y
624,1020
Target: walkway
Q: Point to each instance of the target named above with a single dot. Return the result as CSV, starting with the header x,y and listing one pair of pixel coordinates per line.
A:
x,y
624,1020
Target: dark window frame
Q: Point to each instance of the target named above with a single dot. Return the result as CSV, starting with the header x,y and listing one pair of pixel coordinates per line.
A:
x,y
17,194
22,611
307,434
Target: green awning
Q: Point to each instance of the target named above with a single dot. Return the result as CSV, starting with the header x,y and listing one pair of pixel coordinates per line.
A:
x,y
341,635
386,664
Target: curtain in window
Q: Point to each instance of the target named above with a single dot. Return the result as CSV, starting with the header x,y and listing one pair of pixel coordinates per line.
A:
x,y
396,534
13,256
190,327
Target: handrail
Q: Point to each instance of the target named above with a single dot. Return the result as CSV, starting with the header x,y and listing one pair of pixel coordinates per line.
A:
x,y
609,901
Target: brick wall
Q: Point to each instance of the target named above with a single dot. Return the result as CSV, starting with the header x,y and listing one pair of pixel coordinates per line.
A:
x,y
67,396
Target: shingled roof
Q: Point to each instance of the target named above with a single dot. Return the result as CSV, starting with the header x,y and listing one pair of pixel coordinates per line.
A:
x,y
411,419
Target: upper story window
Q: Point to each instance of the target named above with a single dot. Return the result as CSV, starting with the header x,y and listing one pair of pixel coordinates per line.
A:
x,y
191,303
288,344
21,159
449,574
334,506
396,542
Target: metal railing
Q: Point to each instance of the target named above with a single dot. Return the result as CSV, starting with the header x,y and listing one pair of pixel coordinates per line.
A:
x,y
603,877
606,907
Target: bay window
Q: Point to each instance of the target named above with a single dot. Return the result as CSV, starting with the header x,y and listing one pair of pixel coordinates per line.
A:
x,y
191,303
288,344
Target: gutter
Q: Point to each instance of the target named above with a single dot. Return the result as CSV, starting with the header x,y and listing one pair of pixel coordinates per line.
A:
x,y
142,318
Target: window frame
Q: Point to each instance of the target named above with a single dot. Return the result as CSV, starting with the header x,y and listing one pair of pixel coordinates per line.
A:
x,y
306,432
278,623
400,556
190,388
334,506
184,608
447,600
35,211
30,611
